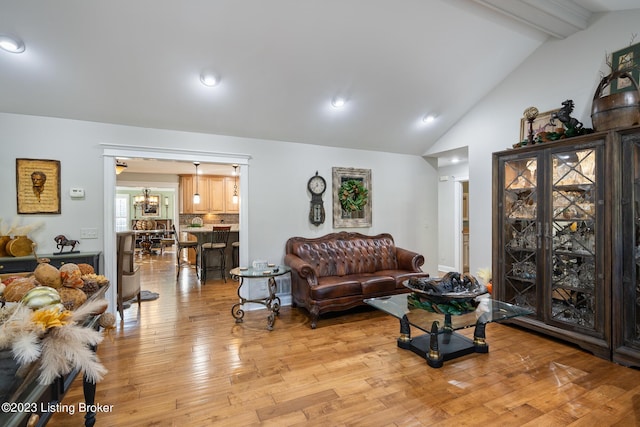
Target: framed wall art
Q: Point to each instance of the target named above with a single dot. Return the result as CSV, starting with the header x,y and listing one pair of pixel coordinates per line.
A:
x,y
351,197
626,59
38,186
542,123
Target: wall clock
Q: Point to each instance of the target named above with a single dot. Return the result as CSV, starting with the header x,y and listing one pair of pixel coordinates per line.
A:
x,y
317,186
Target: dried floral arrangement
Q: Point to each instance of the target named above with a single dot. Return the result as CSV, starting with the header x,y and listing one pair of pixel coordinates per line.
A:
x,y
15,229
54,336
43,319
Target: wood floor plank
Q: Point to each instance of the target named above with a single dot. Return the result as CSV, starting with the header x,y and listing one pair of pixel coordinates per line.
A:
x,y
181,360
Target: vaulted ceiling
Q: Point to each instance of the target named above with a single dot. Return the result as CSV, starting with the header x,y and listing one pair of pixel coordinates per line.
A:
x,y
280,63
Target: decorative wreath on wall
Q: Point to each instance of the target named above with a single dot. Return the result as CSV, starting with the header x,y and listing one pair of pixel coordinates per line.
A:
x,y
353,195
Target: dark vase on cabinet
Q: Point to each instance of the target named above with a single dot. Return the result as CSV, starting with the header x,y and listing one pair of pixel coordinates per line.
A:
x,y
566,239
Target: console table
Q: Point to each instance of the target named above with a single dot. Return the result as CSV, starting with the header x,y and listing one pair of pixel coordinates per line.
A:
x,y
23,264
441,342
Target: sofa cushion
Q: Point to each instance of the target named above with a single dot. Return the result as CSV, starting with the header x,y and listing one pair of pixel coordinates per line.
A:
x,y
335,287
372,284
400,276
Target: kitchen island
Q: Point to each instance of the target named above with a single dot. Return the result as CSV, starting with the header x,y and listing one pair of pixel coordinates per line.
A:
x,y
203,233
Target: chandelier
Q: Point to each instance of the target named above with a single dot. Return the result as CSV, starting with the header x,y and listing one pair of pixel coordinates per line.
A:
x,y
145,201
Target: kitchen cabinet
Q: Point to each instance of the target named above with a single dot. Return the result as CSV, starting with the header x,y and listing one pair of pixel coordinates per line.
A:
x,y
231,187
552,226
211,190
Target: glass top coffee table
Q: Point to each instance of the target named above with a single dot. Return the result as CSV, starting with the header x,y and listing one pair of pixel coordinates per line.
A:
x,y
441,342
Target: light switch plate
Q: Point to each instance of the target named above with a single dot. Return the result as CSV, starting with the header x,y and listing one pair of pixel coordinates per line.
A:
x,y
88,233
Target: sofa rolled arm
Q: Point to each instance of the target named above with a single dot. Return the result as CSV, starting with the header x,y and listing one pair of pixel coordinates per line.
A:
x,y
302,268
409,260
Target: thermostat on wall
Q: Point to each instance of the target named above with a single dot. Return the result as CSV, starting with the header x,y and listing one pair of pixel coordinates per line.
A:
x,y
76,193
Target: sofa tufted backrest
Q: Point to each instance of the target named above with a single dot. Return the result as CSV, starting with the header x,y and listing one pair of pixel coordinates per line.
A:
x,y
339,254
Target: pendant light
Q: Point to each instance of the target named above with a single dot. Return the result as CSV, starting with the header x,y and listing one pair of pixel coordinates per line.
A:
x,y
120,166
235,185
196,196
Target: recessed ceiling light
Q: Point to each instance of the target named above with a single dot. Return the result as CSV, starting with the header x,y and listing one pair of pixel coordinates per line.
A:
x,y
11,44
455,160
209,79
338,102
428,118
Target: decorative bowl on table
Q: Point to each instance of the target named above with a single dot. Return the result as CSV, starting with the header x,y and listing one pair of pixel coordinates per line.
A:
x,y
452,294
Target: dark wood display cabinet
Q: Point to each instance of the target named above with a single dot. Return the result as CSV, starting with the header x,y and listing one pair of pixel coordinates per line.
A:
x,y
566,239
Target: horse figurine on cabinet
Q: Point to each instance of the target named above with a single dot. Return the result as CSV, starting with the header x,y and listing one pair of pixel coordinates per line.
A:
x,y
62,241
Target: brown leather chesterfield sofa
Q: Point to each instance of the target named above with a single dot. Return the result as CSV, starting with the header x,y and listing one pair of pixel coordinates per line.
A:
x,y
338,271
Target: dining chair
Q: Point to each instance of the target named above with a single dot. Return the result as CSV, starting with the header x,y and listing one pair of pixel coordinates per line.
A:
x,y
128,273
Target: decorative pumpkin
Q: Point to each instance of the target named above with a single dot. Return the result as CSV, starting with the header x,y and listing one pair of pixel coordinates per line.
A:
x,y
41,296
14,291
48,275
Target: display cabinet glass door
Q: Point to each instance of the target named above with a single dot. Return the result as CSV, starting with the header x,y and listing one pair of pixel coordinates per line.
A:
x,y
630,318
572,233
521,234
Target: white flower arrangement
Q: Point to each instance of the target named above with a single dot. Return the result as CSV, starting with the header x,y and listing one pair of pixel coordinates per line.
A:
x,y
484,274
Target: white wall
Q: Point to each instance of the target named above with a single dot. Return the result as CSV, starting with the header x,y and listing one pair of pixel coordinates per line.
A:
x,y
558,70
403,187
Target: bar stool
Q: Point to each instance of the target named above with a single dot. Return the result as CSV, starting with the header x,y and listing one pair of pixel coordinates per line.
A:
x,y
218,243
184,244
235,254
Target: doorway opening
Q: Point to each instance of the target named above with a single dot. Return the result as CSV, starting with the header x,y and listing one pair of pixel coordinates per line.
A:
x,y
465,226
113,151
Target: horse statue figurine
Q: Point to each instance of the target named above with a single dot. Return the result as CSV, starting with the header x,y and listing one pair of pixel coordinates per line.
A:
x,y
564,115
62,241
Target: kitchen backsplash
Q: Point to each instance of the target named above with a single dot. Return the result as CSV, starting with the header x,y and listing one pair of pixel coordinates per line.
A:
x,y
211,218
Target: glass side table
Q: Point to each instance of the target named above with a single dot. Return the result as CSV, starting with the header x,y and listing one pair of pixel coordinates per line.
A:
x,y
271,301
441,342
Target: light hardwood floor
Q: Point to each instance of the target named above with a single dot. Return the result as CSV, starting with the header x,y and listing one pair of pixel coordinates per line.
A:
x,y
181,360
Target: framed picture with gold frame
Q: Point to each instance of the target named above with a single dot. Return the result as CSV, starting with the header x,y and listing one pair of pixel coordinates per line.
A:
x,y
542,123
351,197
38,186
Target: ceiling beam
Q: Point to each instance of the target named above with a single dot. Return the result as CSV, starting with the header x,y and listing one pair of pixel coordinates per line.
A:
x,y
557,18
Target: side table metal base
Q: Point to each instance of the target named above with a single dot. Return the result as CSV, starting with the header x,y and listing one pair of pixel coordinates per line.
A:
x,y
271,302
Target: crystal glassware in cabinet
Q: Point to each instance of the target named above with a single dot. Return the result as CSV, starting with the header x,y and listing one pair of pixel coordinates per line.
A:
x,y
574,224
519,225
